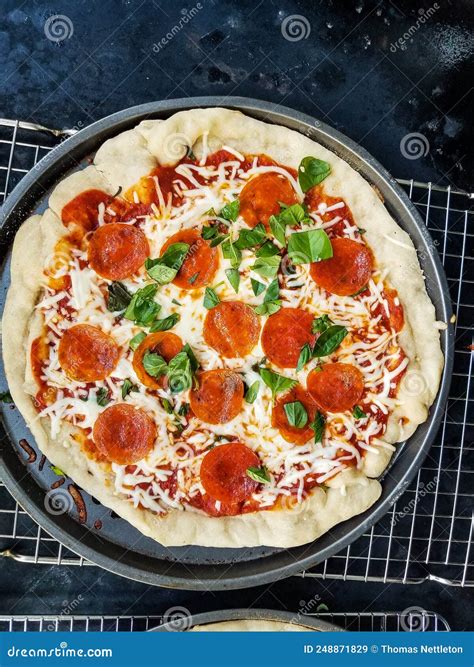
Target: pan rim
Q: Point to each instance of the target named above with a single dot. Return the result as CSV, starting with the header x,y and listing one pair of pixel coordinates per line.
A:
x,y
14,209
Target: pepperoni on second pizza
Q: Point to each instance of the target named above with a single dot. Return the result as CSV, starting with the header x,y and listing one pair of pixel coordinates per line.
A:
x,y
232,328
218,398
260,198
163,343
200,264
124,434
117,250
87,354
336,387
347,271
284,334
280,421
224,472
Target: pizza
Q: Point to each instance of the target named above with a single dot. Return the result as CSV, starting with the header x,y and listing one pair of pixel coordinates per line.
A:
x,y
217,330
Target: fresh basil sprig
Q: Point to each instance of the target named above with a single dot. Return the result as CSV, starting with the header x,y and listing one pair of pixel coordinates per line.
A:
x,y
249,238
306,355
318,426
296,414
231,251
257,287
267,266
230,211
102,397
321,323
143,308
119,297
154,364
259,474
210,298
358,413
136,340
271,303
309,246
329,340
127,387
233,276
181,369
289,216
164,269
311,172
252,392
276,382
166,323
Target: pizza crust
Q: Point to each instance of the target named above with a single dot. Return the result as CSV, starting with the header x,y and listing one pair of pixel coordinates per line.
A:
x,y
349,493
254,625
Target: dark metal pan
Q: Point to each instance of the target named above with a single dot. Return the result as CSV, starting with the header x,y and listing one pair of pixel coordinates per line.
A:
x,y
178,619
117,546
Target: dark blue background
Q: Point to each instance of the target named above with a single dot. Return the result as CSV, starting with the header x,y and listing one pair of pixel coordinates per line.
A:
x,y
345,72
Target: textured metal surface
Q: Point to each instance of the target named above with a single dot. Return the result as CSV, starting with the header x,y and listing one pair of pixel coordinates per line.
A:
x,y
209,568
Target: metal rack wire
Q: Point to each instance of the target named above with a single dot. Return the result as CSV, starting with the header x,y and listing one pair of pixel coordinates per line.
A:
x,y
369,622
428,533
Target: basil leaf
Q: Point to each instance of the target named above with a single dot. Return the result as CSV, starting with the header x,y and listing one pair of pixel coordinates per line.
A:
x,y
252,392
136,340
259,474
318,427
267,250
233,276
268,308
127,387
296,414
154,364
118,298
102,396
143,309
310,246
57,471
192,357
193,278
249,238
180,376
210,298
267,266
230,211
273,291
218,240
232,252
311,172
166,323
164,269
208,233
278,229
6,397
321,324
275,382
329,340
358,413
166,405
306,355
257,287
293,215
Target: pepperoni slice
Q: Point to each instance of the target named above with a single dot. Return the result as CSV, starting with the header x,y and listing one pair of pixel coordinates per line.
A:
x,y
81,214
280,421
87,354
284,334
336,387
164,343
396,319
200,264
232,328
124,434
347,271
224,472
117,250
261,196
218,399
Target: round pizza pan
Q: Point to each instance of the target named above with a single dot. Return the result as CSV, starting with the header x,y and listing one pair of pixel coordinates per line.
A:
x,y
181,621
96,533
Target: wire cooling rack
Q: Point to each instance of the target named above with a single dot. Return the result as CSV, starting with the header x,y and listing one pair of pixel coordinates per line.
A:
x,y
418,621
428,532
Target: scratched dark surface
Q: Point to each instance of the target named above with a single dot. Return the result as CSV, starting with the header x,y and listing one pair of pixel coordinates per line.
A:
x,y
379,72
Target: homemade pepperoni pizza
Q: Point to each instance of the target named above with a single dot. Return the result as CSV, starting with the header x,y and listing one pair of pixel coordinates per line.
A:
x,y
218,330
